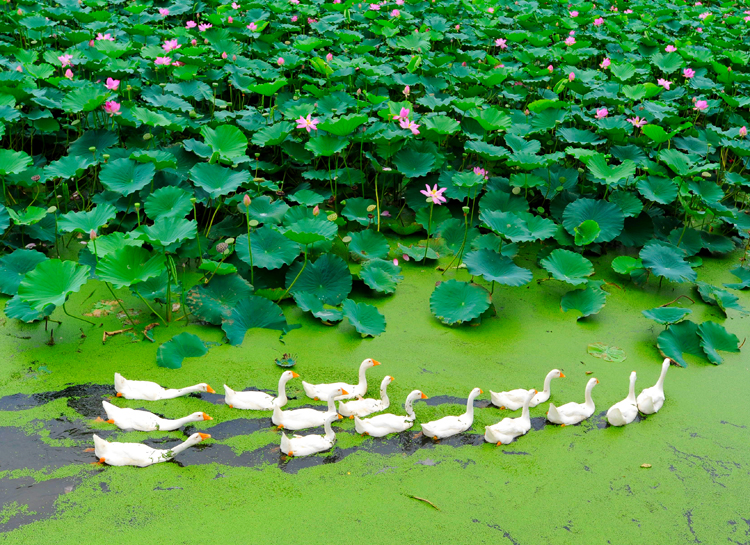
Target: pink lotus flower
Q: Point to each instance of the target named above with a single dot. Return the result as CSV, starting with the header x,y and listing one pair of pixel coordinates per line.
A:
x,y
688,73
703,16
308,123
395,261
628,11
481,172
406,257
374,7
599,21
637,122
19,68
230,20
163,61
385,213
403,114
69,73
570,40
571,76
112,108
435,194
316,210
235,5
280,61
294,18
500,42
204,26
107,37
701,105
193,42
178,63
329,57
295,2
163,12
574,14
601,114
112,84
604,64
224,55
410,125
490,10
395,13
550,68
170,45
664,83
252,27
65,60
700,30
743,131
91,43
670,49
407,90
399,2
191,24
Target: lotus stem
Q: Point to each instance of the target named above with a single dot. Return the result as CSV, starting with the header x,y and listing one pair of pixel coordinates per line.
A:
x,y
198,236
249,246
76,317
304,264
377,200
211,223
109,287
150,307
429,228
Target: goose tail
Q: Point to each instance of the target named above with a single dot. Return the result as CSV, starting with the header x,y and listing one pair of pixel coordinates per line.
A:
x,y
552,414
358,425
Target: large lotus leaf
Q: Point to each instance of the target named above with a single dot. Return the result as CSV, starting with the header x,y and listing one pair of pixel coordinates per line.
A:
x,y
455,302
273,135
328,278
356,210
720,297
380,275
31,216
607,215
365,318
586,233
656,189
679,339
14,266
155,289
341,126
213,302
263,210
502,202
506,224
107,244
494,267
217,180
20,310
308,230
666,315
271,250
254,312
326,145
217,267
168,202
439,215
227,141
310,303
307,197
125,176
611,175
417,252
87,221
414,164
714,338
589,300
4,219
606,352
628,202
168,230
716,244
13,162
130,265
687,240
744,275
493,120
368,244
179,347
69,166
568,266
667,262
51,283
625,264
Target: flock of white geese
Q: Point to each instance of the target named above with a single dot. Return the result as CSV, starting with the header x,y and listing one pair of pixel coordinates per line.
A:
x,y
649,401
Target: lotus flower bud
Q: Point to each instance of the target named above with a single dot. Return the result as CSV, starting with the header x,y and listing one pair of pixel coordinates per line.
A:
x,y
92,234
465,209
192,200
106,156
137,205
316,210
246,200
92,149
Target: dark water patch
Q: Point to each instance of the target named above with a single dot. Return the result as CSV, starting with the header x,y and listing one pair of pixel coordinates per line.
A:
x,y
517,452
234,428
38,497
439,400
86,399
538,423
19,451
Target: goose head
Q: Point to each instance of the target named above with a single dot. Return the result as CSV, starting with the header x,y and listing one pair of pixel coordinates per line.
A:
x,y
475,393
369,362
206,388
331,417
286,376
414,395
531,393
386,381
556,373
198,417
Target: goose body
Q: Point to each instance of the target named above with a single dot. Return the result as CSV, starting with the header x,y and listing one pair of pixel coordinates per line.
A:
x,y
625,411
508,429
138,454
364,407
383,424
514,399
573,413
449,426
300,419
132,419
150,391
650,400
324,391
305,445
259,401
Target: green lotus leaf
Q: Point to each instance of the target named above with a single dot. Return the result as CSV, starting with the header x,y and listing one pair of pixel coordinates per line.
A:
x,y
30,216
687,240
630,205
716,244
368,244
168,202
667,315
217,267
227,141
720,297
160,159
85,99
365,318
494,267
306,197
87,221
414,164
125,176
13,162
14,266
442,124
668,262
253,312
4,219
713,337
268,89
417,252
309,302
129,265
455,302
51,283
308,230
586,233
328,278
588,301
325,145
493,120
273,135
217,180
155,289
506,224
341,126
608,217
20,310
679,339
611,175
356,210
744,275
499,201
607,353
381,276
263,210
174,351
271,250
467,180
169,230
68,166
213,302
107,244
568,266
682,164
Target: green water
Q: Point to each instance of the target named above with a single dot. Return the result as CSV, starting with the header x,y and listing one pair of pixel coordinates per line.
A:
x,y
578,485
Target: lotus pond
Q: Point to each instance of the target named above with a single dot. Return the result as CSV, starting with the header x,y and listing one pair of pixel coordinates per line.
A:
x,y
473,193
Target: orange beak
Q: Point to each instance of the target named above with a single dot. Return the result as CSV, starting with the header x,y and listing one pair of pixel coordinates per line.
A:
x,y
340,417
597,381
206,417
295,375
204,436
210,390
481,391
536,391
392,379
375,362
562,375
119,394
344,392
424,396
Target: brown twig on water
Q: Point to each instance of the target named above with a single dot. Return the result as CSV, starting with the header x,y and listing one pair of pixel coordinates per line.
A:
x,y
677,299
148,328
108,334
422,499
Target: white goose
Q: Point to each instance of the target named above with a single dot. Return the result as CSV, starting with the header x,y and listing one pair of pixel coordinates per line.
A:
x,y
625,411
573,413
449,426
132,419
300,419
514,399
323,391
383,424
508,429
258,401
651,399
138,454
364,407
150,391
306,445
